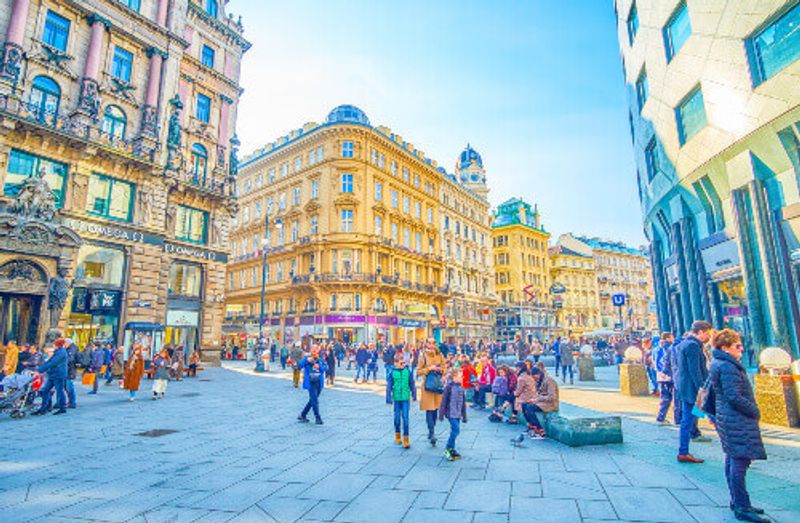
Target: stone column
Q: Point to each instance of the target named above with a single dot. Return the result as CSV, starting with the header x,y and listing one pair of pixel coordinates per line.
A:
x,y
150,109
161,14
89,98
12,54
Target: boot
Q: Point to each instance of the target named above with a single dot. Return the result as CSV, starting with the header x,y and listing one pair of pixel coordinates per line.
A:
x,y
397,438
406,443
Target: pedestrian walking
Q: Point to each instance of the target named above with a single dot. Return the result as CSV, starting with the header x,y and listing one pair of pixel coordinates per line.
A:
x,y
693,372
284,356
296,355
56,369
567,361
557,353
176,366
372,363
330,361
400,390
663,377
362,357
117,366
134,369
96,366
313,368
72,372
453,407
431,368
736,414
161,366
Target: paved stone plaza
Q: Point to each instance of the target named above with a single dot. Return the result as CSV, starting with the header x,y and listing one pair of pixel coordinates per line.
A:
x,y
238,454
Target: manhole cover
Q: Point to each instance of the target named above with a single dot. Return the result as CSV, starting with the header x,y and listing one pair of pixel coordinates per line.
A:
x,y
189,394
155,433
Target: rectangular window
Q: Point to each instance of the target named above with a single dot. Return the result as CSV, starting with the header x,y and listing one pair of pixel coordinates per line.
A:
x,y
393,168
418,242
295,230
651,156
378,191
319,153
258,210
430,215
347,149
314,189
381,161
775,47
347,183
284,170
418,209
677,31
633,23
347,221
203,109
374,157
282,202
394,232
407,237
190,224
378,225
407,204
122,64
259,181
133,4
314,227
298,163
207,56
312,157
394,199
110,198
21,165
56,31
690,115
296,196
271,175
642,89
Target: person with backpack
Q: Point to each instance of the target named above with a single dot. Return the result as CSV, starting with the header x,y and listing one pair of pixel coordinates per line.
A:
x,y
430,368
400,389
313,368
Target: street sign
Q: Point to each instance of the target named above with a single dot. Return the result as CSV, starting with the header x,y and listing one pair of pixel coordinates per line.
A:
x,y
530,295
557,288
618,326
618,300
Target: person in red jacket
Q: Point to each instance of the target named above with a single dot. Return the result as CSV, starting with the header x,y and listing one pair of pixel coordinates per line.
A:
x,y
485,381
468,373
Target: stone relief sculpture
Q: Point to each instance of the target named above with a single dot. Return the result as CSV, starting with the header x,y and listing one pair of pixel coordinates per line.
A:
x,y
169,222
217,226
57,293
145,204
35,199
174,133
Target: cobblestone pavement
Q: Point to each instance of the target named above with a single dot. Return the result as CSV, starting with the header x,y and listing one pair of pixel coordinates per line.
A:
x,y
238,454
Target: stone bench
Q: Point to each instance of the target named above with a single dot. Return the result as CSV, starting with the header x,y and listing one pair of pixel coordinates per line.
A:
x,y
577,427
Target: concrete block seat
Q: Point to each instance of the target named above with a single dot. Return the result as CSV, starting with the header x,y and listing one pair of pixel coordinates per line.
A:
x,y
576,427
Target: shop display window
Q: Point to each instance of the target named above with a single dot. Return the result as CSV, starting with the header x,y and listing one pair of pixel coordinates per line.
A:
x,y
185,279
99,265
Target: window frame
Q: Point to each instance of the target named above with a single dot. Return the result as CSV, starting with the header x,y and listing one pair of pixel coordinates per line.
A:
x,y
56,28
122,64
758,73
208,56
116,121
11,189
348,149
346,218
189,212
667,33
205,106
632,23
680,119
347,183
111,182
642,89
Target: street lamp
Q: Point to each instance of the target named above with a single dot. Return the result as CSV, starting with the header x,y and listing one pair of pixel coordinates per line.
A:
x,y
264,245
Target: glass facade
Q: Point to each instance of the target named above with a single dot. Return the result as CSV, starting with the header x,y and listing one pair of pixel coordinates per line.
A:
x,y
185,279
633,23
775,47
642,90
677,31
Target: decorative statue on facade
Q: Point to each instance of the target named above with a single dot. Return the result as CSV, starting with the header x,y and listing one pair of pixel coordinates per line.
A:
x,y
233,165
57,293
174,132
89,99
11,63
35,199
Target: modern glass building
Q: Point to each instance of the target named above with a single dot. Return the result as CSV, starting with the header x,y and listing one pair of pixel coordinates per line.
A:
x,y
715,123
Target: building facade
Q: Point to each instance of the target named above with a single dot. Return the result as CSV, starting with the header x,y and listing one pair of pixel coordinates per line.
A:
x,y
715,120
520,251
577,308
127,111
465,235
342,220
621,270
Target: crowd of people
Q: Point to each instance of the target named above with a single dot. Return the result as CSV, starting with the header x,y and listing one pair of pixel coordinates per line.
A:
x,y
61,361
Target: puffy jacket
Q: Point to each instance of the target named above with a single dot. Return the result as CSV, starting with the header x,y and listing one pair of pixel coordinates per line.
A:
x,y
488,374
500,386
692,369
362,356
737,413
308,367
454,403
56,366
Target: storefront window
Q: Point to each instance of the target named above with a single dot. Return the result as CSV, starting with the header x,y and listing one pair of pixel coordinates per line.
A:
x,y
110,198
185,280
99,266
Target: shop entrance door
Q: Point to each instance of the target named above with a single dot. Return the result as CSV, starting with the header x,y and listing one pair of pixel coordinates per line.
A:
x,y
19,317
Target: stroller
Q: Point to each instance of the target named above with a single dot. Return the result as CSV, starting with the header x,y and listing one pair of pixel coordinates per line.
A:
x,y
20,393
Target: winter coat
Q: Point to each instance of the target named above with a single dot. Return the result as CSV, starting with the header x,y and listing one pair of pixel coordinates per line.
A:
x,y
117,362
660,358
737,413
526,390
692,370
296,354
395,389
72,362
373,359
307,367
454,402
98,359
500,386
388,356
161,368
177,362
567,359
512,383
547,395
488,373
362,356
467,371
429,400
56,366
134,369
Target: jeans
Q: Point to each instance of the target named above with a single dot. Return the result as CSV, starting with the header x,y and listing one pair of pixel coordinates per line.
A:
x,y
666,399
735,472
372,371
388,369
500,399
401,411
61,398
314,390
96,381
536,358
564,369
455,429
687,424
677,408
283,362
558,363
361,370
430,421
70,388
530,410
480,395
651,373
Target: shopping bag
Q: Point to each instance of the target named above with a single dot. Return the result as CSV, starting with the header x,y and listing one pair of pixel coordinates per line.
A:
x,y
88,378
103,369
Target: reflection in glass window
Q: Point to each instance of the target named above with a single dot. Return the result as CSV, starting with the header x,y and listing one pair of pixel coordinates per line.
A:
x,y
99,266
110,198
190,224
690,115
775,47
56,31
185,279
45,99
677,31
122,64
21,165
114,122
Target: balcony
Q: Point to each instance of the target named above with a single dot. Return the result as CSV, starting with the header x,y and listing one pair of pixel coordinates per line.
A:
x,y
206,182
357,277
75,128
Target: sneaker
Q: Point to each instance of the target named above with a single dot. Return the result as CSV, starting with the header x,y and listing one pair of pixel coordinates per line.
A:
x,y
60,411
755,510
455,454
701,439
92,392
448,454
302,419
318,421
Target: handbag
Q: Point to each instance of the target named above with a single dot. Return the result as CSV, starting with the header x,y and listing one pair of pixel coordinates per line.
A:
x,y
433,380
705,398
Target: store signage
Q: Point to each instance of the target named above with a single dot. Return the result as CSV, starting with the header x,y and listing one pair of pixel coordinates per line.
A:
x,y
723,255
85,300
116,233
178,318
618,300
412,324
195,252
344,318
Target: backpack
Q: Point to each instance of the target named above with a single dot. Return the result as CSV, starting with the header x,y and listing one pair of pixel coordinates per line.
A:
x,y
494,417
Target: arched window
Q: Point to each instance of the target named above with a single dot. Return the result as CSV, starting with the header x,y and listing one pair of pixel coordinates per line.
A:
x,y
45,98
199,161
114,123
212,7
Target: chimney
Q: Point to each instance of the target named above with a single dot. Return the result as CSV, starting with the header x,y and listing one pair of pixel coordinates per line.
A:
x,y
537,220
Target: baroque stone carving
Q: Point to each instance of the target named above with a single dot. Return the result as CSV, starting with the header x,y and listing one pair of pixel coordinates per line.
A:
x,y
149,121
174,133
57,293
22,271
11,63
35,199
89,98
145,204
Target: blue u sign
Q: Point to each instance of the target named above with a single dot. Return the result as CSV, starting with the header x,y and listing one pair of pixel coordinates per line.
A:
x,y
618,300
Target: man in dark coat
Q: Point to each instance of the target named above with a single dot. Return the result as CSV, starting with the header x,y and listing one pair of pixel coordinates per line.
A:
x,y
56,369
72,371
362,356
737,415
692,374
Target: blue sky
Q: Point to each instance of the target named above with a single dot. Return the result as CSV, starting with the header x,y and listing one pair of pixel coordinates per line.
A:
x,y
534,85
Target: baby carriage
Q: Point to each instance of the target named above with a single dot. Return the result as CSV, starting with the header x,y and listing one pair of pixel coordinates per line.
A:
x,y
20,393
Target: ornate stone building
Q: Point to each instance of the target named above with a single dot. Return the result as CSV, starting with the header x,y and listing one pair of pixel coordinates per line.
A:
x,y
577,309
522,271
127,110
466,236
351,214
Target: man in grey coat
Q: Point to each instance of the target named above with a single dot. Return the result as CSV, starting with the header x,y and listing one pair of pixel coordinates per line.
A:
x,y
692,375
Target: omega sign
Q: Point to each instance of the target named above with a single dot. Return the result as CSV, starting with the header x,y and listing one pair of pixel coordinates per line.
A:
x,y
193,252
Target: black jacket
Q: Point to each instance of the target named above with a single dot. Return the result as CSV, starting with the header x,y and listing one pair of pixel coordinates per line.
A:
x,y
737,413
692,370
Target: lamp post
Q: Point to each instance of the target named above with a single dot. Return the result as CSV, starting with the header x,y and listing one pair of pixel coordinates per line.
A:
x,y
260,347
